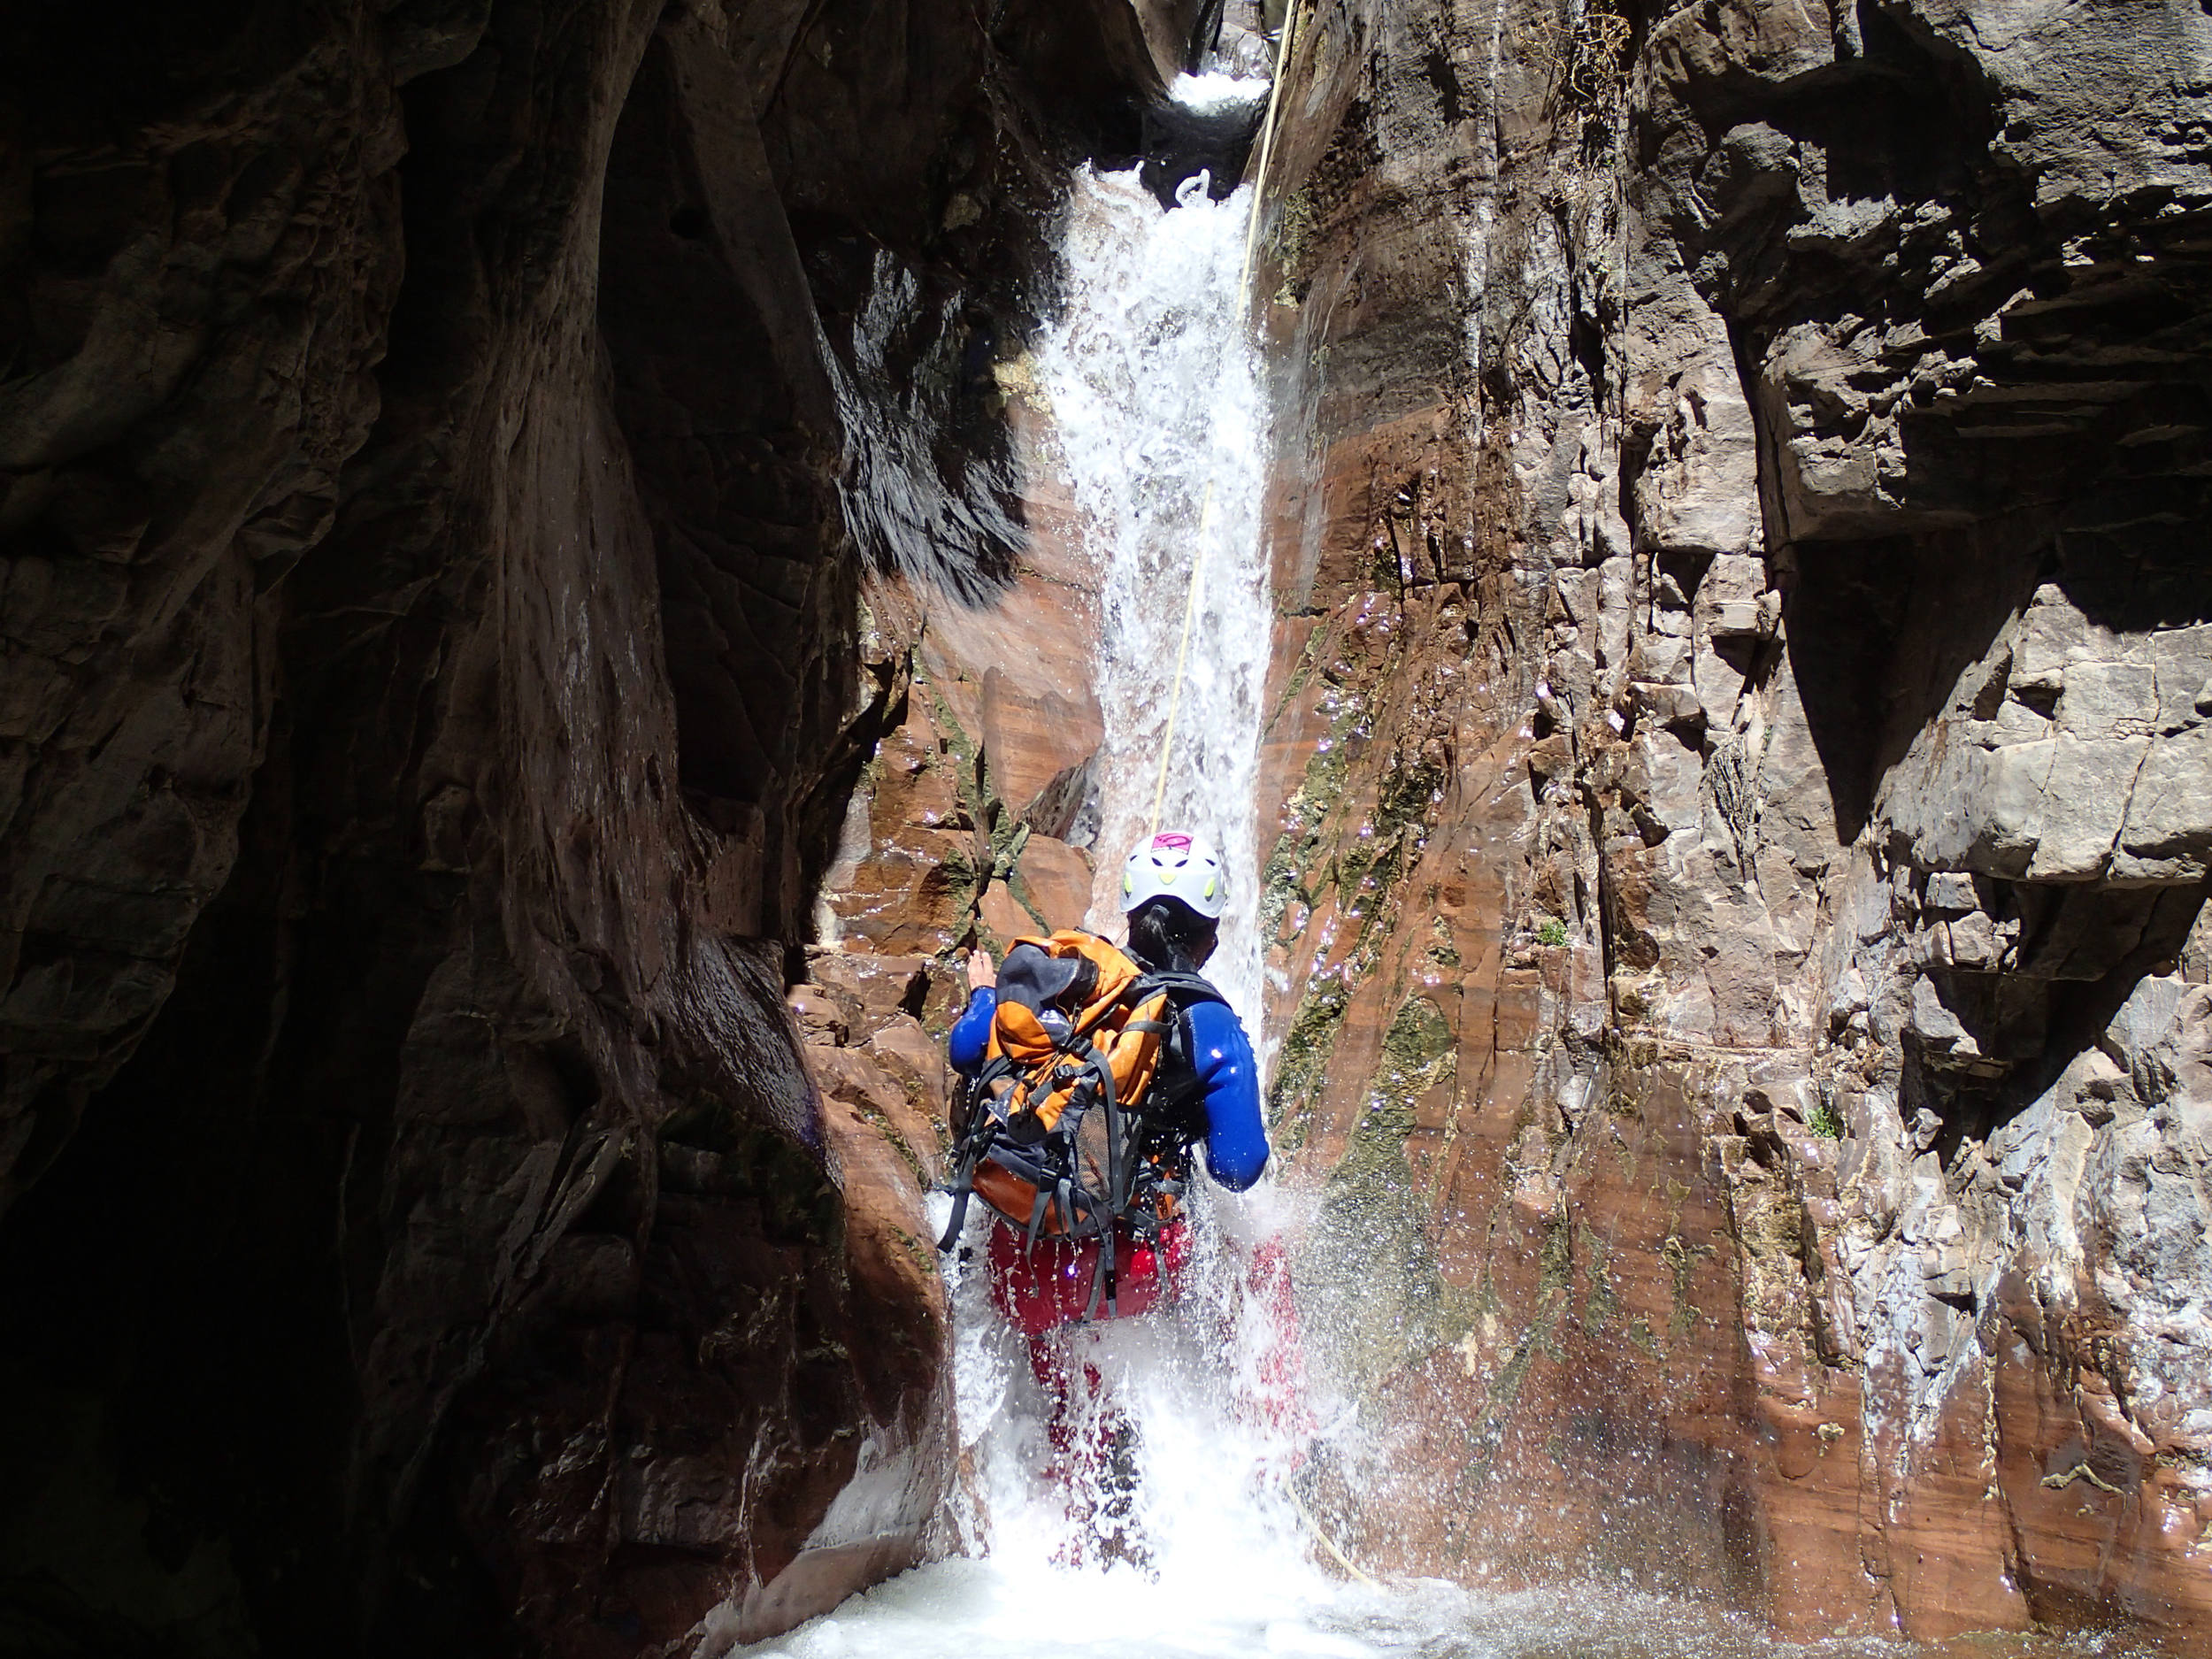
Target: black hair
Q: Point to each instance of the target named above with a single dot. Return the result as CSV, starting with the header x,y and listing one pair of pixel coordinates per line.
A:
x,y
1167,936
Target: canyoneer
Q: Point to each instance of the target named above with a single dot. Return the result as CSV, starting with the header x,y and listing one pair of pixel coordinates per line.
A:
x,y
1090,1071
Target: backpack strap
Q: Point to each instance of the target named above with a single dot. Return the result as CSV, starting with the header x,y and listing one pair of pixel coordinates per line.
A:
x,y
1184,989
1103,1073
1184,992
973,1148
1043,1207
1047,1159
983,1134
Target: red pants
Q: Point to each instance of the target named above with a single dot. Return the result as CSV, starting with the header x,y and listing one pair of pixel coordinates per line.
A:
x,y
1047,1292
1043,1289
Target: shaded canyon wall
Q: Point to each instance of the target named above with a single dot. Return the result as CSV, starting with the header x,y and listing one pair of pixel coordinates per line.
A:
x,y
441,451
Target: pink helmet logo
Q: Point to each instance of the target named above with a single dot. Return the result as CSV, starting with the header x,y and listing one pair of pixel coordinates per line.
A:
x,y
1157,869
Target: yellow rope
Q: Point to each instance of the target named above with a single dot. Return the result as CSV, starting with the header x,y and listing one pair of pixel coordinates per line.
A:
x,y
1324,1539
1267,143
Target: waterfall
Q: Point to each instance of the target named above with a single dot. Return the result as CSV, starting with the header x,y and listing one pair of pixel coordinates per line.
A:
x,y
1154,384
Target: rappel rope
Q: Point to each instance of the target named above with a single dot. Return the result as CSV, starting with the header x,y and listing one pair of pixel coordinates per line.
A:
x,y
1190,605
1206,508
1324,1539
1267,142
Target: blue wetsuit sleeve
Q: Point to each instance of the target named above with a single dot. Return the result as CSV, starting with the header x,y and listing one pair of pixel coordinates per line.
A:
x,y
971,1036
1236,1138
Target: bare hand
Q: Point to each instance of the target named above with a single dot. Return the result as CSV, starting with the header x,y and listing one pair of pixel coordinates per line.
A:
x,y
982,974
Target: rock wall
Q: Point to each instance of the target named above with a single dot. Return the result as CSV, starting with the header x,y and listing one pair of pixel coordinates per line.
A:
x,y
442,448
1742,554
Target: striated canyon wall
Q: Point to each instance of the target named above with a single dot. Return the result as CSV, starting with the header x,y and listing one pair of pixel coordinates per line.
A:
x,y
1740,743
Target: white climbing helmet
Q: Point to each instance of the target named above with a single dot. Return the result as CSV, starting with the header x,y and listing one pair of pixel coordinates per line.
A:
x,y
1175,866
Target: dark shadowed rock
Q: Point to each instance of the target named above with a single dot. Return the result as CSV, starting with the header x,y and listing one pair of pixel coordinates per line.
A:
x,y
538,619
440,451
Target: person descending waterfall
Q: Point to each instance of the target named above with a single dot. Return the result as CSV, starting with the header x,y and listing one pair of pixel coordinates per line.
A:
x,y
1090,1073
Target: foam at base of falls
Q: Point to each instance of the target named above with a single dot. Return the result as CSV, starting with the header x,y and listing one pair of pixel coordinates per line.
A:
x,y
1206,1385
985,1610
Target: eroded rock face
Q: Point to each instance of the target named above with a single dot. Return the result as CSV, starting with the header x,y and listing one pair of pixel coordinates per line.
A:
x,y
1742,585
442,452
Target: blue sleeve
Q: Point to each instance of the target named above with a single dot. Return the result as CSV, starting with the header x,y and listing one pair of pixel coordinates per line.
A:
x,y
971,1037
1236,1138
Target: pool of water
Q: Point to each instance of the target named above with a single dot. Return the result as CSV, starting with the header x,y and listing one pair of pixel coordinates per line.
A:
x,y
989,1609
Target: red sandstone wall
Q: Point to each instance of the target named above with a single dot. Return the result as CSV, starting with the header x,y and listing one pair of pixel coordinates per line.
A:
x,y
1753,1246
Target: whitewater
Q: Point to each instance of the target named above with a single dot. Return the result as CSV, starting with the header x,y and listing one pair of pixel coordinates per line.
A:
x,y
1155,388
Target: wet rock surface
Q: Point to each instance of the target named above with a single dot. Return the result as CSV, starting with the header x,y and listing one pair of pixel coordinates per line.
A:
x,y
1741,563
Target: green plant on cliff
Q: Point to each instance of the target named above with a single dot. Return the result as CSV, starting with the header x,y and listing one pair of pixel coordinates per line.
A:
x,y
1442,951
1278,881
1298,848
958,878
1009,835
968,775
1311,1039
1538,1337
1682,1261
1419,1051
1602,1300
1825,1123
1004,834
1323,851
1303,1059
1369,871
1408,794
1551,931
